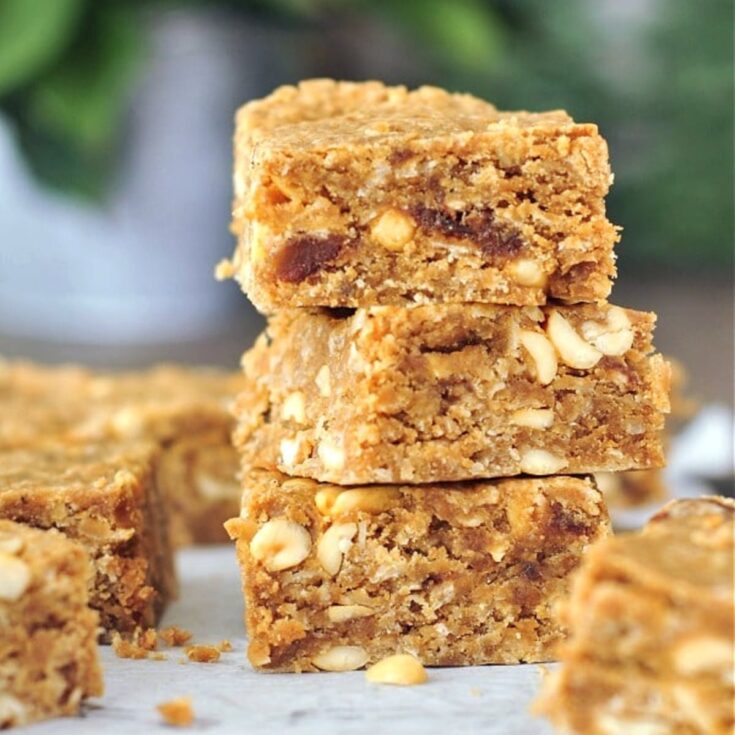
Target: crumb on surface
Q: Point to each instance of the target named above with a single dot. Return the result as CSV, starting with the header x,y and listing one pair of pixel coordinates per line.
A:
x,y
174,635
125,648
224,646
139,645
147,639
204,654
177,712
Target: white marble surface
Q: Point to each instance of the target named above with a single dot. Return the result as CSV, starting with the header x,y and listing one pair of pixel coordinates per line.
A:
x,y
229,697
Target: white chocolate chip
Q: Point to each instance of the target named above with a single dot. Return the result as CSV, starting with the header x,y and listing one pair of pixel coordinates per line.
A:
x,y
331,456
280,544
293,451
128,422
543,354
341,658
393,229
527,272
401,669
541,462
342,613
294,408
10,543
572,349
614,337
533,418
323,381
334,544
15,577
610,723
702,655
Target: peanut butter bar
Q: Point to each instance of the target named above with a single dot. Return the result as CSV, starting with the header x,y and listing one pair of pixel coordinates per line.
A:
x,y
357,194
651,618
445,392
336,578
106,497
184,410
48,649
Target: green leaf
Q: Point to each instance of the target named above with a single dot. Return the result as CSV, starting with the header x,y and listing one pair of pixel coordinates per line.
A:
x,y
83,100
33,33
463,32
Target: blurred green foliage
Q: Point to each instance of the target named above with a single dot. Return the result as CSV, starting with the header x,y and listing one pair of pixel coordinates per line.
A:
x,y
663,96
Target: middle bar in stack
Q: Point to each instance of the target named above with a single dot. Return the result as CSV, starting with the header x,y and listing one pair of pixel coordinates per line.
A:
x,y
453,392
419,236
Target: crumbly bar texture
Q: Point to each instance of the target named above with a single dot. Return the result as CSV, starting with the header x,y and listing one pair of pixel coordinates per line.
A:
x,y
651,619
356,194
185,410
337,578
445,392
106,497
48,649
638,488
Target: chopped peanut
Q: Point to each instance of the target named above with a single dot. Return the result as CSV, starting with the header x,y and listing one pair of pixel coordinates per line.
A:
x,y
177,712
401,669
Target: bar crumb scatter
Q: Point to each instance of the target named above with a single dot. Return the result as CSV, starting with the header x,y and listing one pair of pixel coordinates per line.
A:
x,y
177,712
175,636
141,644
224,646
203,654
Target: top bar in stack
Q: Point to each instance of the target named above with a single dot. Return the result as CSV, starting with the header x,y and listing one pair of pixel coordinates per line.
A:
x,y
357,194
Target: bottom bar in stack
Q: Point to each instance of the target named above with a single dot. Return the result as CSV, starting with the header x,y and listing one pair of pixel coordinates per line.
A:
x,y
651,616
456,574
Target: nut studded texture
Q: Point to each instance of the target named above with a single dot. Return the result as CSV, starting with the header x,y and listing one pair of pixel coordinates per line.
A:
x,y
651,619
451,574
104,496
184,410
356,194
451,392
48,650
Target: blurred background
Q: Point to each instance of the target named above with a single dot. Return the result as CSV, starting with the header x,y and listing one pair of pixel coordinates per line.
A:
x,y
115,151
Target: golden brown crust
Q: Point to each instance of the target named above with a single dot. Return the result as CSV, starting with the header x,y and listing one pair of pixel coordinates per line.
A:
x,y
498,207
390,394
453,574
48,634
651,616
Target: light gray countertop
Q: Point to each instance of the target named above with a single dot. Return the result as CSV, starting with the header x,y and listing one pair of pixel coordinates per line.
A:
x,y
229,697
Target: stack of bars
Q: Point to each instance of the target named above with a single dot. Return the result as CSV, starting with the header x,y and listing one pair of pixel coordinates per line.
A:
x,y
439,377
